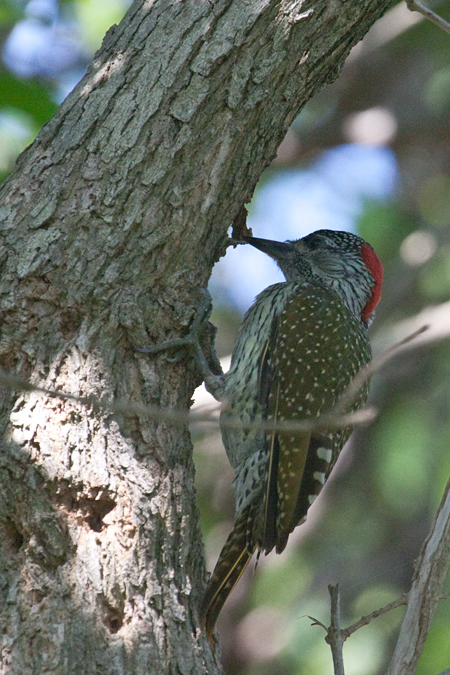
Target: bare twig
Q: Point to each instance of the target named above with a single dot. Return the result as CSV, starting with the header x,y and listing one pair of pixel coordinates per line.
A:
x,y
329,420
334,634
334,419
180,417
365,620
416,6
368,370
430,572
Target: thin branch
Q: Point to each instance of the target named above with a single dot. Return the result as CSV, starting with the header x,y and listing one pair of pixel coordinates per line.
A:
x,y
365,620
368,370
180,417
334,634
426,590
416,6
336,418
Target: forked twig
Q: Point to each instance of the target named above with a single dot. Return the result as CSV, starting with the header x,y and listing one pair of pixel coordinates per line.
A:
x,y
431,570
336,636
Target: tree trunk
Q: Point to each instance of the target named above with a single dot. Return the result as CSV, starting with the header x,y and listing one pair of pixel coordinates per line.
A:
x,y
111,223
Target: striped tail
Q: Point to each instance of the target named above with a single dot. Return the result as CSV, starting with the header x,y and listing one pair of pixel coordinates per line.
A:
x,y
233,560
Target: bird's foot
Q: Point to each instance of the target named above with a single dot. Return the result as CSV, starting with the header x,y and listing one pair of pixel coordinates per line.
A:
x,y
210,367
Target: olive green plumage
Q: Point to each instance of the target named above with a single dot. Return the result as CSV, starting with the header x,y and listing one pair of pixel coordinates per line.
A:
x,y
300,345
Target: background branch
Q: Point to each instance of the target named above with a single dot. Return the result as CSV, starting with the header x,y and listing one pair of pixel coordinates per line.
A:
x,y
429,576
336,418
365,620
417,6
334,634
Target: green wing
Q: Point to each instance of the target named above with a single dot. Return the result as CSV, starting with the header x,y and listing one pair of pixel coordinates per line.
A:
x,y
315,349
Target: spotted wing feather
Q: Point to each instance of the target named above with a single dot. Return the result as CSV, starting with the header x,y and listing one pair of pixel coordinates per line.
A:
x,y
316,351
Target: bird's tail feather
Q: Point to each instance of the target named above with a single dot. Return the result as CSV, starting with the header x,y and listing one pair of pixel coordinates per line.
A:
x,y
233,560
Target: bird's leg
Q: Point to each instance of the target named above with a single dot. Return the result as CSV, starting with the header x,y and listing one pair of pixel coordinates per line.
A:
x,y
210,367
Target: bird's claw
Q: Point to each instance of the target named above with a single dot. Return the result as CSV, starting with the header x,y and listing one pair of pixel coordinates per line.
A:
x,y
192,342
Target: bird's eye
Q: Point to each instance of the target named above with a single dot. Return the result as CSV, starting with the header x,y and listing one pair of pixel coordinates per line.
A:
x,y
315,241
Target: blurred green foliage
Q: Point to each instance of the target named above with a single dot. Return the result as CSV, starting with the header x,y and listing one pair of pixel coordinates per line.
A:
x,y
94,17
370,521
27,103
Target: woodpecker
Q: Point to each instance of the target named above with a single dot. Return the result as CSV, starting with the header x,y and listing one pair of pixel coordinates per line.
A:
x,y
300,345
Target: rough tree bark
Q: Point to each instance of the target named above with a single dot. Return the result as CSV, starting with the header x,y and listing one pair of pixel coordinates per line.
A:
x,y
110,223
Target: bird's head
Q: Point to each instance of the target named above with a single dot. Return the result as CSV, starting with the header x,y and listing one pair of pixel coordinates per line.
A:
x,y
341,261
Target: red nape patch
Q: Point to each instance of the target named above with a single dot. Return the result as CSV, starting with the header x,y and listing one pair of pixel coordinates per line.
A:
x,y
373,263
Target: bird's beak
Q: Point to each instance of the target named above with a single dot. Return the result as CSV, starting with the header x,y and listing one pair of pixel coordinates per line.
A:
x,y
278,250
